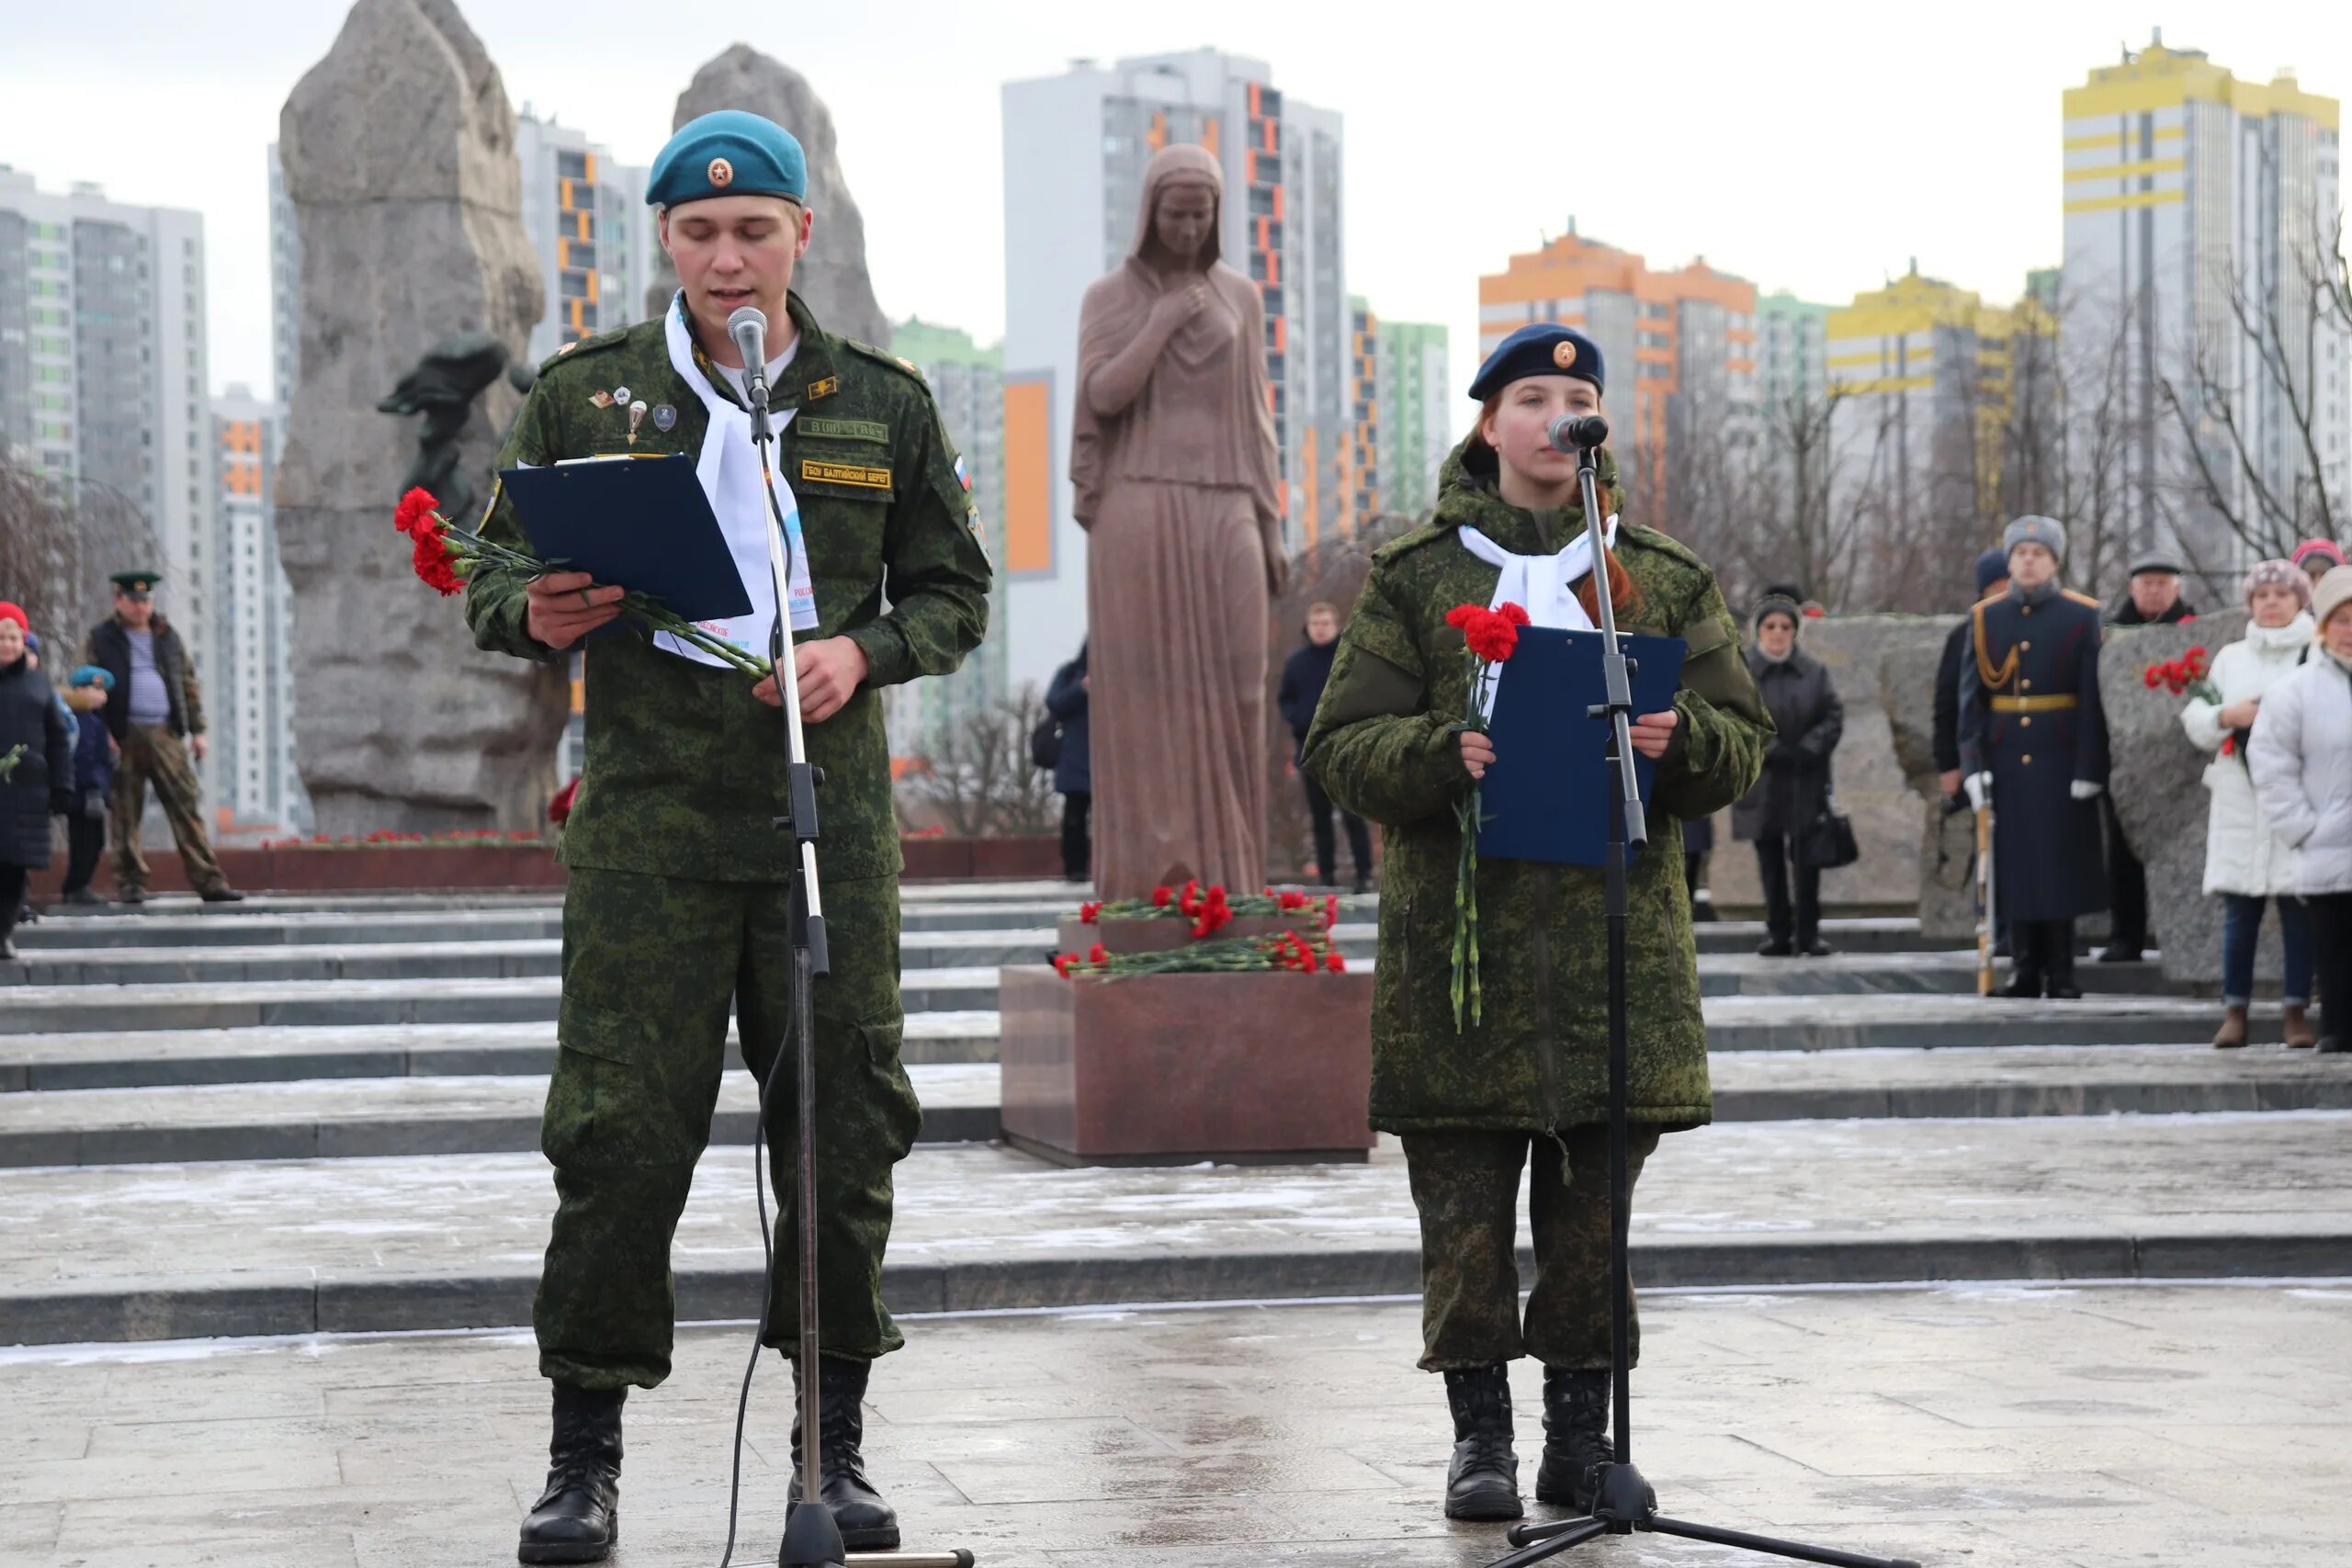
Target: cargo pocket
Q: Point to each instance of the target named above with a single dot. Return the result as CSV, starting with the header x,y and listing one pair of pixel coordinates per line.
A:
x,y
602,1110
891,1116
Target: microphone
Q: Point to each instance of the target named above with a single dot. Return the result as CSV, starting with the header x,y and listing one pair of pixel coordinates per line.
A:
x,y
749,327
1569,433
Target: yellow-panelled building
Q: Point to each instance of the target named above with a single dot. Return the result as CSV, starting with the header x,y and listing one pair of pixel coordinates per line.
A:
x,y
2184,182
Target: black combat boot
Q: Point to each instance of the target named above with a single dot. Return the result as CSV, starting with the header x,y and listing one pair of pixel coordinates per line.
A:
x,y
1482,1480
1576,1435
2058,950
578,1518
868,1522
2025,975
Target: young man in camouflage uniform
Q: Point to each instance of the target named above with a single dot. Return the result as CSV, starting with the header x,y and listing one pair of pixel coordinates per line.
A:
x,y
677,902
1527,1086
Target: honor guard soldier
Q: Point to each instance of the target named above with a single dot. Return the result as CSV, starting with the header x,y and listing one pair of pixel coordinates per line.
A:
x,y
2033,743
675,913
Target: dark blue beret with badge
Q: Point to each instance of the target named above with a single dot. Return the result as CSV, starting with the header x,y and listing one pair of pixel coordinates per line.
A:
x,y
1543,349
729,153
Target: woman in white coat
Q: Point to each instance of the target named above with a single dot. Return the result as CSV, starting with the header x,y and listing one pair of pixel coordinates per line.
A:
x,y
2245,861
2303,776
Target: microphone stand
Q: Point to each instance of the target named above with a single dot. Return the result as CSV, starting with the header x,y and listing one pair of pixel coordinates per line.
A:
x,y
1623,1502
812,1538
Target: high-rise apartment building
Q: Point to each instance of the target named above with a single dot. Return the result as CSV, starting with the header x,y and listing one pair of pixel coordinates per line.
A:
x,y
1921,373
1679,347
1075,149
249,687
968,382
1791,349
103,368
2185,185
1421,415
587,219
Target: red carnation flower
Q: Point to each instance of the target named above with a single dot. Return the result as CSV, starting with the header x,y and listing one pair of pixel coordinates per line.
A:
x,y
1330,910
416,508
1087,912
1162,896
1459,617
2154,676
1514,614
432,562
1098,954
1336,964
1492,638
1063,963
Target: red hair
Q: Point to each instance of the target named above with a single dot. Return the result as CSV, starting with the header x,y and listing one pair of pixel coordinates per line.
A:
x,y
1622,595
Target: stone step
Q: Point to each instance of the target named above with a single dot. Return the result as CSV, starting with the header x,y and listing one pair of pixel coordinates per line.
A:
x,y
341,1118
315,1118
297,1247
67,1008
521,922
274,1054
80,1053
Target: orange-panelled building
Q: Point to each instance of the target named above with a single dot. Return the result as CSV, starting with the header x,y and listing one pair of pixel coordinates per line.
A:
x,y
1679,345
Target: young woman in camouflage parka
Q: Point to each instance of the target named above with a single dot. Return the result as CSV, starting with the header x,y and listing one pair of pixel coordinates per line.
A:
x,y
1530,1081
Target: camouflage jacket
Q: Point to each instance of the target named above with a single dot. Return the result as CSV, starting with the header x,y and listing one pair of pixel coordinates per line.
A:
x,y
1383,745
685,767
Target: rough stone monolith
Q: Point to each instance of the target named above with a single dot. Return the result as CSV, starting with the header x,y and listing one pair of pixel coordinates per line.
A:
x,y
399,156
832,276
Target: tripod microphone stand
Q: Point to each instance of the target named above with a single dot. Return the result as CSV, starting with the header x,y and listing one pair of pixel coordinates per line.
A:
x,y
812,1539
1623,1501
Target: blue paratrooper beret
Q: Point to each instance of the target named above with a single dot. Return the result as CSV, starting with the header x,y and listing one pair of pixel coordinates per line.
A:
x,y
1543,349
729,153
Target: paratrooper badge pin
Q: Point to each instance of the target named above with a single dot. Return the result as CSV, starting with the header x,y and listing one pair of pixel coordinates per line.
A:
x,y
636,418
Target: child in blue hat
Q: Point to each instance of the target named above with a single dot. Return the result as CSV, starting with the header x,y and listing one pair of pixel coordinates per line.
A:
x,y
94,749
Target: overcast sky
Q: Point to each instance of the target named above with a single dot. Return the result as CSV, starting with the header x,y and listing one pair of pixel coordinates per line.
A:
x,y
1815,147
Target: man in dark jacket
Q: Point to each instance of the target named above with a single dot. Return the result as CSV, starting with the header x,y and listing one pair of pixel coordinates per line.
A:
x,y
1808,720
155,713
1073,766
1992,581
1304,674
2152,599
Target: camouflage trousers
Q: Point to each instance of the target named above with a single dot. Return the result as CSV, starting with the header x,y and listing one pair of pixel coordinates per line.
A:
x,y
153,755
650,965
1466,1186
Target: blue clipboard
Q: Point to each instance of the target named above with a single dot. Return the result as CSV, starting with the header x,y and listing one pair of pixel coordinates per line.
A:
x,y
1547,797
642,523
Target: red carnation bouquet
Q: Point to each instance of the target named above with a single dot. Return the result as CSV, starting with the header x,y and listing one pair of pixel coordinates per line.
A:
x,y
1228,956
2187,676
1489,639
445,556
1209,910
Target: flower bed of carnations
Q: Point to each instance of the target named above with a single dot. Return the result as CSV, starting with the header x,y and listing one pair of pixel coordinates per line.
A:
x,y
1206,913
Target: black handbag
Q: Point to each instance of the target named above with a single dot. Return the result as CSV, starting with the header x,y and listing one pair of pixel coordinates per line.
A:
x,y
1828,843
1045,743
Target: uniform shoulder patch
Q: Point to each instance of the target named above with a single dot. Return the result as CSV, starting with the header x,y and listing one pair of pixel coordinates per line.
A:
x,y
1404,544
1650,538
884,357
581,347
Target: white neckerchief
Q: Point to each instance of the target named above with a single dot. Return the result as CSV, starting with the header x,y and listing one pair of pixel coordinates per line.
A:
x,y
728,470
1541,585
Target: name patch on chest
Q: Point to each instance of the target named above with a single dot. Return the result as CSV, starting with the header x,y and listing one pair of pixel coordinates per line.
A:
x,y
846,429
857,474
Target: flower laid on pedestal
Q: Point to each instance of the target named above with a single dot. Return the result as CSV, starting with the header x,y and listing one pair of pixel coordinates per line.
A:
x,y
1226,955
1210,911
1489,637
445,555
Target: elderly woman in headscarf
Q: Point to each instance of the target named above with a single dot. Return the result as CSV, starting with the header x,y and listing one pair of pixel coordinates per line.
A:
x,y
1807,721
1175,479
2245,863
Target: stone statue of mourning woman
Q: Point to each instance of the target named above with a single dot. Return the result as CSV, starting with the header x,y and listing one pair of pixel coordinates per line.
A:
x,y
1178,486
